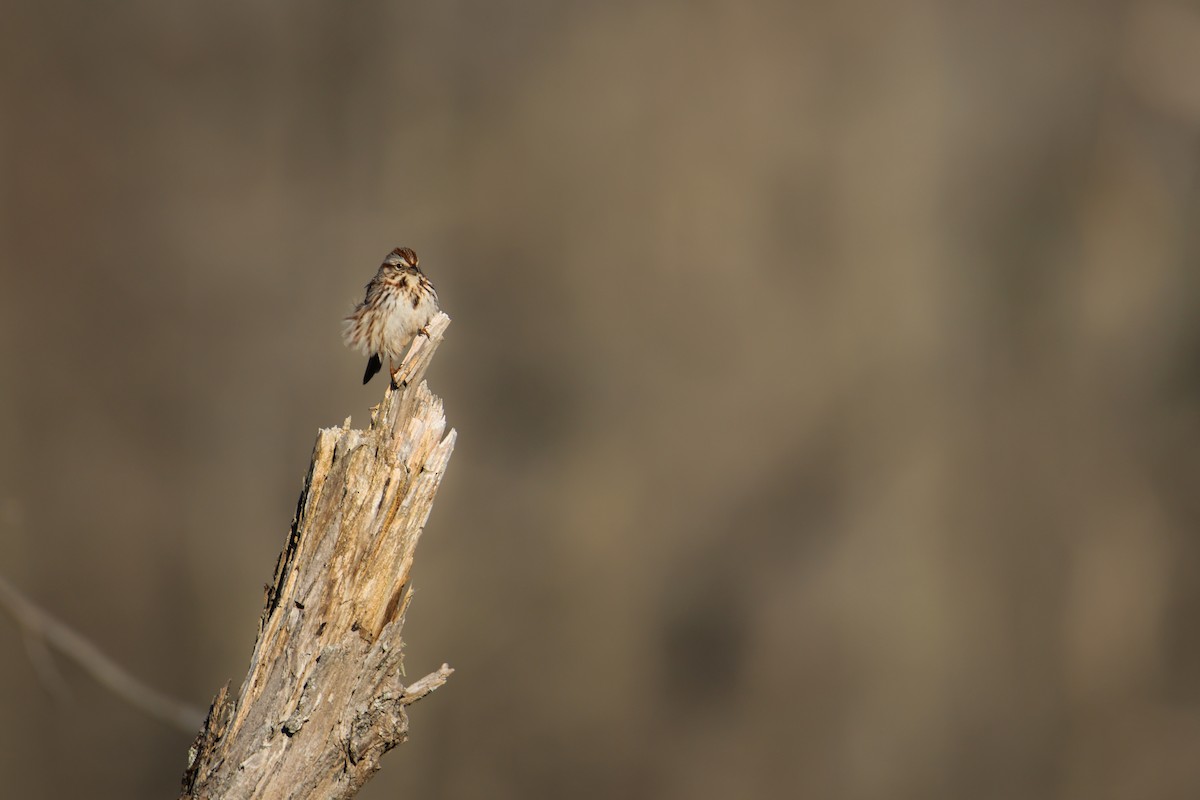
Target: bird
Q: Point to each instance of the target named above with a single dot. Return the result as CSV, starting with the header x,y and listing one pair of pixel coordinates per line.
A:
x,y
399,303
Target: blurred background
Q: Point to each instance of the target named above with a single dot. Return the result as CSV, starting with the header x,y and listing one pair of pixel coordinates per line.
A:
x,y
827,381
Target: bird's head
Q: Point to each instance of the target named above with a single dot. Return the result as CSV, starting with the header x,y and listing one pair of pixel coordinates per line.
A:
x,y
403,257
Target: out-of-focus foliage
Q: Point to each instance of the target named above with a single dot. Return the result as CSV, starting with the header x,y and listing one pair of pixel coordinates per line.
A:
x,y
827,378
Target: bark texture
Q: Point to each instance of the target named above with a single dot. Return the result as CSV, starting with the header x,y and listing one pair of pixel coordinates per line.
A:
x,y
324,697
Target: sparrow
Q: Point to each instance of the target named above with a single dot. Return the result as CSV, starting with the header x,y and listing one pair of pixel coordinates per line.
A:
x,y
400,302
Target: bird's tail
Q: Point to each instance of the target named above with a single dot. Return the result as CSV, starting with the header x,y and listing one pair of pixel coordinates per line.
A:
x,y
373,366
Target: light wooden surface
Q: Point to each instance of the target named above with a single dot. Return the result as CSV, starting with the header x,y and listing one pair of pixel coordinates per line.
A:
x,y
325,693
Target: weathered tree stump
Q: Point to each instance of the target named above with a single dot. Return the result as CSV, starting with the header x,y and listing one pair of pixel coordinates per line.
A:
x,y
324,698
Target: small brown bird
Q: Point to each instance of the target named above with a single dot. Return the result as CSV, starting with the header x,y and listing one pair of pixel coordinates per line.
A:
x,y
400,302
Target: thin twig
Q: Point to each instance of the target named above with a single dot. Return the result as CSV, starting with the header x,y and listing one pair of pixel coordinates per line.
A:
x,y
38,624
434,680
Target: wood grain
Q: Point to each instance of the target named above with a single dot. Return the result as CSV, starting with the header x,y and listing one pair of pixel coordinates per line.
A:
x,y
324,696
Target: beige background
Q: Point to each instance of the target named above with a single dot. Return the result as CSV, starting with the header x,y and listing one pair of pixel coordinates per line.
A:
x,y
827,380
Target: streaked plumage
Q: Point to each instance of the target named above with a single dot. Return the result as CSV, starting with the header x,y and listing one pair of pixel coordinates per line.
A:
x,y
399,303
